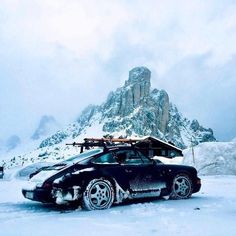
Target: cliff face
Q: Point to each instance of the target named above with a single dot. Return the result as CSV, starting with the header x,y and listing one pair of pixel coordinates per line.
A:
x,y
136,110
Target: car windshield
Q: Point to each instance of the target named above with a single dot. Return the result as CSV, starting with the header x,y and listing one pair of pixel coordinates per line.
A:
x,y
72,160
81,156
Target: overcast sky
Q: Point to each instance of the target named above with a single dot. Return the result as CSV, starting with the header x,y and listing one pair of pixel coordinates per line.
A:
x,y
57,56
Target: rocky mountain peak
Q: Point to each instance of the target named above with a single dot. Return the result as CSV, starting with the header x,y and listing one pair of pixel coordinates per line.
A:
x,y
139,75
138,84
135,110
47,125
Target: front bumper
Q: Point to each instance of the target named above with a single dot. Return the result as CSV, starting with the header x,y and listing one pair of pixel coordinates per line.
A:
x,y
64,196
38,194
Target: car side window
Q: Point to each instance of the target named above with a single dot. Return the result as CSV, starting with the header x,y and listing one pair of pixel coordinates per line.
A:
x,y
107,158
129,157
144,158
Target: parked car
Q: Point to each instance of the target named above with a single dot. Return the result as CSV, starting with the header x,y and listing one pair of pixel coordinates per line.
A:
x,y
99,177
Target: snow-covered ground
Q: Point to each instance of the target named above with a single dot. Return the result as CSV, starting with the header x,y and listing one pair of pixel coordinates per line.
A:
x,y
212,211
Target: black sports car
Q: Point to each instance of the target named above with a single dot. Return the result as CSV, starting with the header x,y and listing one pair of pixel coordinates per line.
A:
x,y
99,177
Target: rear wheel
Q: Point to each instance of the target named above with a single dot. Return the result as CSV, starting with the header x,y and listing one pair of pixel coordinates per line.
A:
x,y
98,195
182,187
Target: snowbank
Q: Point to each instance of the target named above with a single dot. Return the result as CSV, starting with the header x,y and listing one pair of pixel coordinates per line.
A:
x,y
216,158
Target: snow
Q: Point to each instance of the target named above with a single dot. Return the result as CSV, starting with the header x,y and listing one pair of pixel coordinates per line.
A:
x,y
233,140
211,212
173,161
24,173
215,158
96,128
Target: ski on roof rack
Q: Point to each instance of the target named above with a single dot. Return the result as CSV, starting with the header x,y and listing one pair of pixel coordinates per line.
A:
x,y
102,142
112,140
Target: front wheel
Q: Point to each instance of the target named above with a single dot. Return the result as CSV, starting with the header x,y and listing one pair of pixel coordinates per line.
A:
x,y
98,195
182,187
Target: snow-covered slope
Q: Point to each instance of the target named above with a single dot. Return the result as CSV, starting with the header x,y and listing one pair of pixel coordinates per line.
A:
x,y
15,151
217,158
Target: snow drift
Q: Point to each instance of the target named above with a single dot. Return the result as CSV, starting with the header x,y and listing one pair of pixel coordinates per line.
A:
x,y
217,158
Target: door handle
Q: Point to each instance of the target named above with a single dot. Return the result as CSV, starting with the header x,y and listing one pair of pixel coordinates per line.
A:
x,y
128,171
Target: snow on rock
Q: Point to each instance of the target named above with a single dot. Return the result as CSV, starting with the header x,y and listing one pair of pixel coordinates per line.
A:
x,y
216,158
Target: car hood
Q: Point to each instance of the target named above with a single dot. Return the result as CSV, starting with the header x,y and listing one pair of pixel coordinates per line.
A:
x,y
43,175
55,172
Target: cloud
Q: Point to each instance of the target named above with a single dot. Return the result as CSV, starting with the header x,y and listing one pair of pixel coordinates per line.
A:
x,y
56,56
204,93
173,29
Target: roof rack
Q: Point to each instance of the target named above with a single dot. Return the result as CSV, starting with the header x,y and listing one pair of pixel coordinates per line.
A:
x,y
147,143
102,142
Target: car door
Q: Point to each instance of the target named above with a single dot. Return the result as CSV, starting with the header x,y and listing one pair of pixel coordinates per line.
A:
x,y
141,173
107,165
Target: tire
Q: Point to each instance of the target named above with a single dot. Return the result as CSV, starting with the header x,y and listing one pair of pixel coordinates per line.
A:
x,y
182,187
98,195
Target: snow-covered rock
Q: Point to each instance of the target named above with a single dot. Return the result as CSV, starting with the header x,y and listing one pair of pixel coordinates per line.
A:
x,y
136,110
216,158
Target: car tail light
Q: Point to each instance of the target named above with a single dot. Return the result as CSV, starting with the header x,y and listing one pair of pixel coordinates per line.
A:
x,y
199,181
